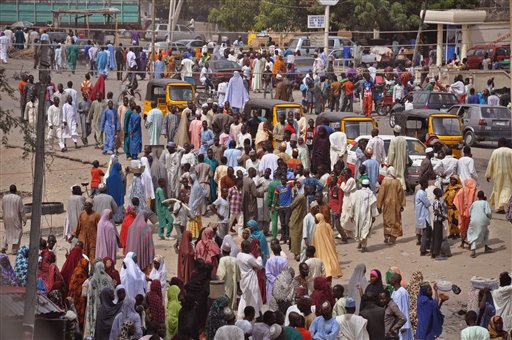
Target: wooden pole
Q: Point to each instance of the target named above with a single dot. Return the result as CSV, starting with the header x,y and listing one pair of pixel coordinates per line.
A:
x,y
419,33
153,43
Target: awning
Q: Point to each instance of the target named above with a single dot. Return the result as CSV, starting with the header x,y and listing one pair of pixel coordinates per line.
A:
x,y
455,17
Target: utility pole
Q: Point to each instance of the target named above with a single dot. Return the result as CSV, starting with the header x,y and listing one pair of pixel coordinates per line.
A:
x,y
327,4
169,20
37,191
153,42
425,6
175,16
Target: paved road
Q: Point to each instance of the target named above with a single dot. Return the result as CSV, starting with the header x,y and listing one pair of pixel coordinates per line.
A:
x,y
63,173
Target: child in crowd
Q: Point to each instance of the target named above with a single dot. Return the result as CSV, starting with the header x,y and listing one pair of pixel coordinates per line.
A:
x,y
221,208
96,176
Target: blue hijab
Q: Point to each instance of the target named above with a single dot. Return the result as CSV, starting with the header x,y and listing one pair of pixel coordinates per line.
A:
x,y
430,319
115,185
258,234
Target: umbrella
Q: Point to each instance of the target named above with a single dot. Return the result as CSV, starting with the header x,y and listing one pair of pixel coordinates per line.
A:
x,y
22,24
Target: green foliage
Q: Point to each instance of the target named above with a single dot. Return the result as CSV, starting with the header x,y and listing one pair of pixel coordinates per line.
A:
x,y
235,15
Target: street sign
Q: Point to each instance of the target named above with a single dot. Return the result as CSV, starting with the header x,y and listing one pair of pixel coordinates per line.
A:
x,y
316,21
328,2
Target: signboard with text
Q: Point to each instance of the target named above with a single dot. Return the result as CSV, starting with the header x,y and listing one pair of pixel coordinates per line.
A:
x,y
316,21
328,2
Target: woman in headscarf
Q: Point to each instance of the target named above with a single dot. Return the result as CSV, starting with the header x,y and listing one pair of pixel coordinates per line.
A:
x,y
213,163
110,269
98,281
186,257
283,291
116,189
375,287
158,171
48,272
430,318
147,181
199,288
188,325
127,313
154,300
496,331
262,134
207,250
260,273
299,209
228,239
21,265
321,151
131,214
257,233
132,277
127,331
106,240
172,312
140,241
462,201
392,270
80,274
106,314
413,290
322,292
159,272
72,259
196,200
182,136
215,319
8,276
357,284
323,240
451,191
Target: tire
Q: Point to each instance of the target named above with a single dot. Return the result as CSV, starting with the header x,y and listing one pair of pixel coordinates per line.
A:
x,y
48,208
201,97
121,96
137,96
382,110
392,119
470,138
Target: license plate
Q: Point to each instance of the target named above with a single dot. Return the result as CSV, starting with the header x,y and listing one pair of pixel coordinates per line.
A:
x,y
501,123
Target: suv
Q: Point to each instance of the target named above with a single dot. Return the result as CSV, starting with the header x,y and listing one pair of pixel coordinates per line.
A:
x,y
181,32
476,54
483,122
434,100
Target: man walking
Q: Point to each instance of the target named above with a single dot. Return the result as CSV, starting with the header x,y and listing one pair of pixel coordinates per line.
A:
x,y
95,113
154,124
69,124
423,220
364,211
397,155
391,202
110,125
14,217
498,170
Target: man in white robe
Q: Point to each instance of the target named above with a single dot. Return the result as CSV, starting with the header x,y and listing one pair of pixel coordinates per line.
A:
x,y
249,265
377,145
498,170
466,166
397,155
13,216
154,124
364,211
502,298
338,151
54,123
259,67
401,297
171,158
348,187
352,326
4,47
70,124
308,229
229,272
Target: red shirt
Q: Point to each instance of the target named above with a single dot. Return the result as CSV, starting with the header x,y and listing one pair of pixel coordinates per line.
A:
x,y
335,199
292,163
348,86
306,335
96,175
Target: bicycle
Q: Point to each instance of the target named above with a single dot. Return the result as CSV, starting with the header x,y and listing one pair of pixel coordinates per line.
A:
x,y
126,91
203,97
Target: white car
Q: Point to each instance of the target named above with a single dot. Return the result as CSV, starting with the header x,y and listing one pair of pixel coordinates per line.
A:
x,y
415,151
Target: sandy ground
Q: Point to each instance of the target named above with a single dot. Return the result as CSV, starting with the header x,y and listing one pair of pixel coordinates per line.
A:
x,y
62,173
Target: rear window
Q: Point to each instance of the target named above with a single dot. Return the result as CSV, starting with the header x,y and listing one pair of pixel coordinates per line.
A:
x,y
196,44
181,93
304,62
356,129
495,113
225,65
446,126
285,110
502,51
442,98
293,43
420,97
414,147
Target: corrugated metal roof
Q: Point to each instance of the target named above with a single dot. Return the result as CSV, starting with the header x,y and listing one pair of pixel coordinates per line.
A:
x,y
12,302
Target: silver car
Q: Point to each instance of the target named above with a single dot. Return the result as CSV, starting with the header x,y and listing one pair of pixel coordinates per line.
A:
x,y
181,32
483,122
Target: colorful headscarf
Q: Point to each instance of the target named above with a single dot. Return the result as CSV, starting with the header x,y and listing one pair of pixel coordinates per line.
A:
x,y
215,319
173,310
492,329
413,289
126,330
21,265
154,299
8,276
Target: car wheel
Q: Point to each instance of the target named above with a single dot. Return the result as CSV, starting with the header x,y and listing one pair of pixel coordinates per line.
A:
x,y
392,119
198,38
470,138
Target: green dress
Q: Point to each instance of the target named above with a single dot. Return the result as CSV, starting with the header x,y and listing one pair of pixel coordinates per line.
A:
x,y
164,215
72,56
126,145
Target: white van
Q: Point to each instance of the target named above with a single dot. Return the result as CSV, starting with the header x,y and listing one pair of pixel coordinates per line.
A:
x,y
308,44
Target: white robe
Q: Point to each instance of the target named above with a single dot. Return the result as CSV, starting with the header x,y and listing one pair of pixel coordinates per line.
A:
x,y
13,215
308,230
259,67
70,117
377,145
147,180
73,210
401,298
348,188
352,327
132,278
229,272
338,142
364,207
173,167
251,295
502,298
4,46
498,170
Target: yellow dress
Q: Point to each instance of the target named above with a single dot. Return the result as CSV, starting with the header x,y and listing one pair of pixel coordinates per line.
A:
x,y
323,240
195,226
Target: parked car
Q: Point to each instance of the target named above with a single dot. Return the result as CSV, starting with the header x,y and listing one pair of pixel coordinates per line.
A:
x,y
57,36
307,45
477,53
180,32
415,150
441,101
177,49
191,43
222,70
483,122
302,66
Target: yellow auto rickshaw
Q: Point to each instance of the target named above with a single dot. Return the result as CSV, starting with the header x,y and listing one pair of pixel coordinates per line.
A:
x,y
271,109
428,125
353,125
167,92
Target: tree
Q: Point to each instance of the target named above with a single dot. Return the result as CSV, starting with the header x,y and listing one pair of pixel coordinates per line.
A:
x,y
235,15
